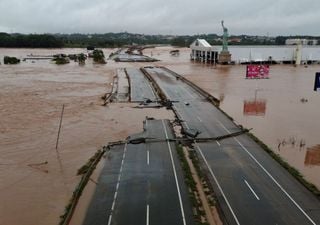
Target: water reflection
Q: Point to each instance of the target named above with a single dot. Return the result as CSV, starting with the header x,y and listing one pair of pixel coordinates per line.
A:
x,y
312,156
255,106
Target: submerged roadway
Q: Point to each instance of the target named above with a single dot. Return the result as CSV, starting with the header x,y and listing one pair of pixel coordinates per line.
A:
x,y
140,88
251,187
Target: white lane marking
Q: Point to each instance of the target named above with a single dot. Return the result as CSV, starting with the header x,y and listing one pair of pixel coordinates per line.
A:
x,y
218,143
147,222
251,189
224,127
216,180
148,157
117,187
112,207
175,174
270,176
199,119
109,220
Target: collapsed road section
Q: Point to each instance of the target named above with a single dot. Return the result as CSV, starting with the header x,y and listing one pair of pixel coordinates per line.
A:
x,y
251,187
140,88
131,54
142,183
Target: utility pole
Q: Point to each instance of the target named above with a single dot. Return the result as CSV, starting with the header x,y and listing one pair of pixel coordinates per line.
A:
x,y
59,127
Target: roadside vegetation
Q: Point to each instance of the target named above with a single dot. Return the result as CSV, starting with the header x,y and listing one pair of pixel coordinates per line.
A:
x,y
199,213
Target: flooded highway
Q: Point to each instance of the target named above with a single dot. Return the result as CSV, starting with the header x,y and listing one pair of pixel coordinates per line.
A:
x,y
283,112
235,162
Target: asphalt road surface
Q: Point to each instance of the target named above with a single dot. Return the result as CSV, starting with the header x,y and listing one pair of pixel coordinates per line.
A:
x,y
142,184
139,86
250,186
122,86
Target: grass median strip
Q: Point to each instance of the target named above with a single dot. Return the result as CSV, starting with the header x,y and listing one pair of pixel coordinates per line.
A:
x,y
201,197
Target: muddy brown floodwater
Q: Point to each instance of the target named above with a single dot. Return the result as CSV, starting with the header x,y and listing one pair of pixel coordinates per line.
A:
x,y
31,98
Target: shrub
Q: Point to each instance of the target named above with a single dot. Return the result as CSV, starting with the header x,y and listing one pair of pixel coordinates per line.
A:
x,y
10,60
98,56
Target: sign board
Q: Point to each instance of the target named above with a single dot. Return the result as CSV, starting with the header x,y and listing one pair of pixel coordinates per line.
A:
x,y
254,107
317,82
257,71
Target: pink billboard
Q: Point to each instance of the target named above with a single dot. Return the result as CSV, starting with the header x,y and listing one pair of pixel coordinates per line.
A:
x,y
257,71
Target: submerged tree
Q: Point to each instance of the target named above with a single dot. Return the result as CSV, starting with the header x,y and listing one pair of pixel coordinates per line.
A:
x,y
82,59
61,59
98,56
10,60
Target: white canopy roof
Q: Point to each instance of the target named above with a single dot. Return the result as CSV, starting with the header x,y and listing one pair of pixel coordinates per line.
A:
x,y
202,45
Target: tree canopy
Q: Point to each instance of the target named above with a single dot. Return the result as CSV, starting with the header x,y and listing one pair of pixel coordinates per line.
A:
x,y
29,41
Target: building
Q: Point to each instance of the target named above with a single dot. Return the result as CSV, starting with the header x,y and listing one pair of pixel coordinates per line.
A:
x,y
234,40
312,42
202,51
301,41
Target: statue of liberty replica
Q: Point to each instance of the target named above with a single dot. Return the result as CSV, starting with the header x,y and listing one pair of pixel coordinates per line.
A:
x,y
224,56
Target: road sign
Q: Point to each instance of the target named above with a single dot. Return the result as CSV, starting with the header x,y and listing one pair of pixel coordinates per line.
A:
x,y
257,71
317,82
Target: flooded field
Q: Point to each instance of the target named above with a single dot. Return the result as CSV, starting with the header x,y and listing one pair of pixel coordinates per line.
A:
x,y
283,112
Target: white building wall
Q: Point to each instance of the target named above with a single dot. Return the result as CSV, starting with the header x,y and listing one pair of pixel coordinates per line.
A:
x,y
278,53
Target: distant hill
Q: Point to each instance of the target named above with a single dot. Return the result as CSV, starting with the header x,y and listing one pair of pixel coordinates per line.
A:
x,y
124,38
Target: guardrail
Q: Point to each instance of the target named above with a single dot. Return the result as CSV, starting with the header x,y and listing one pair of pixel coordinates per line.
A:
x,y
208,96
157,88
